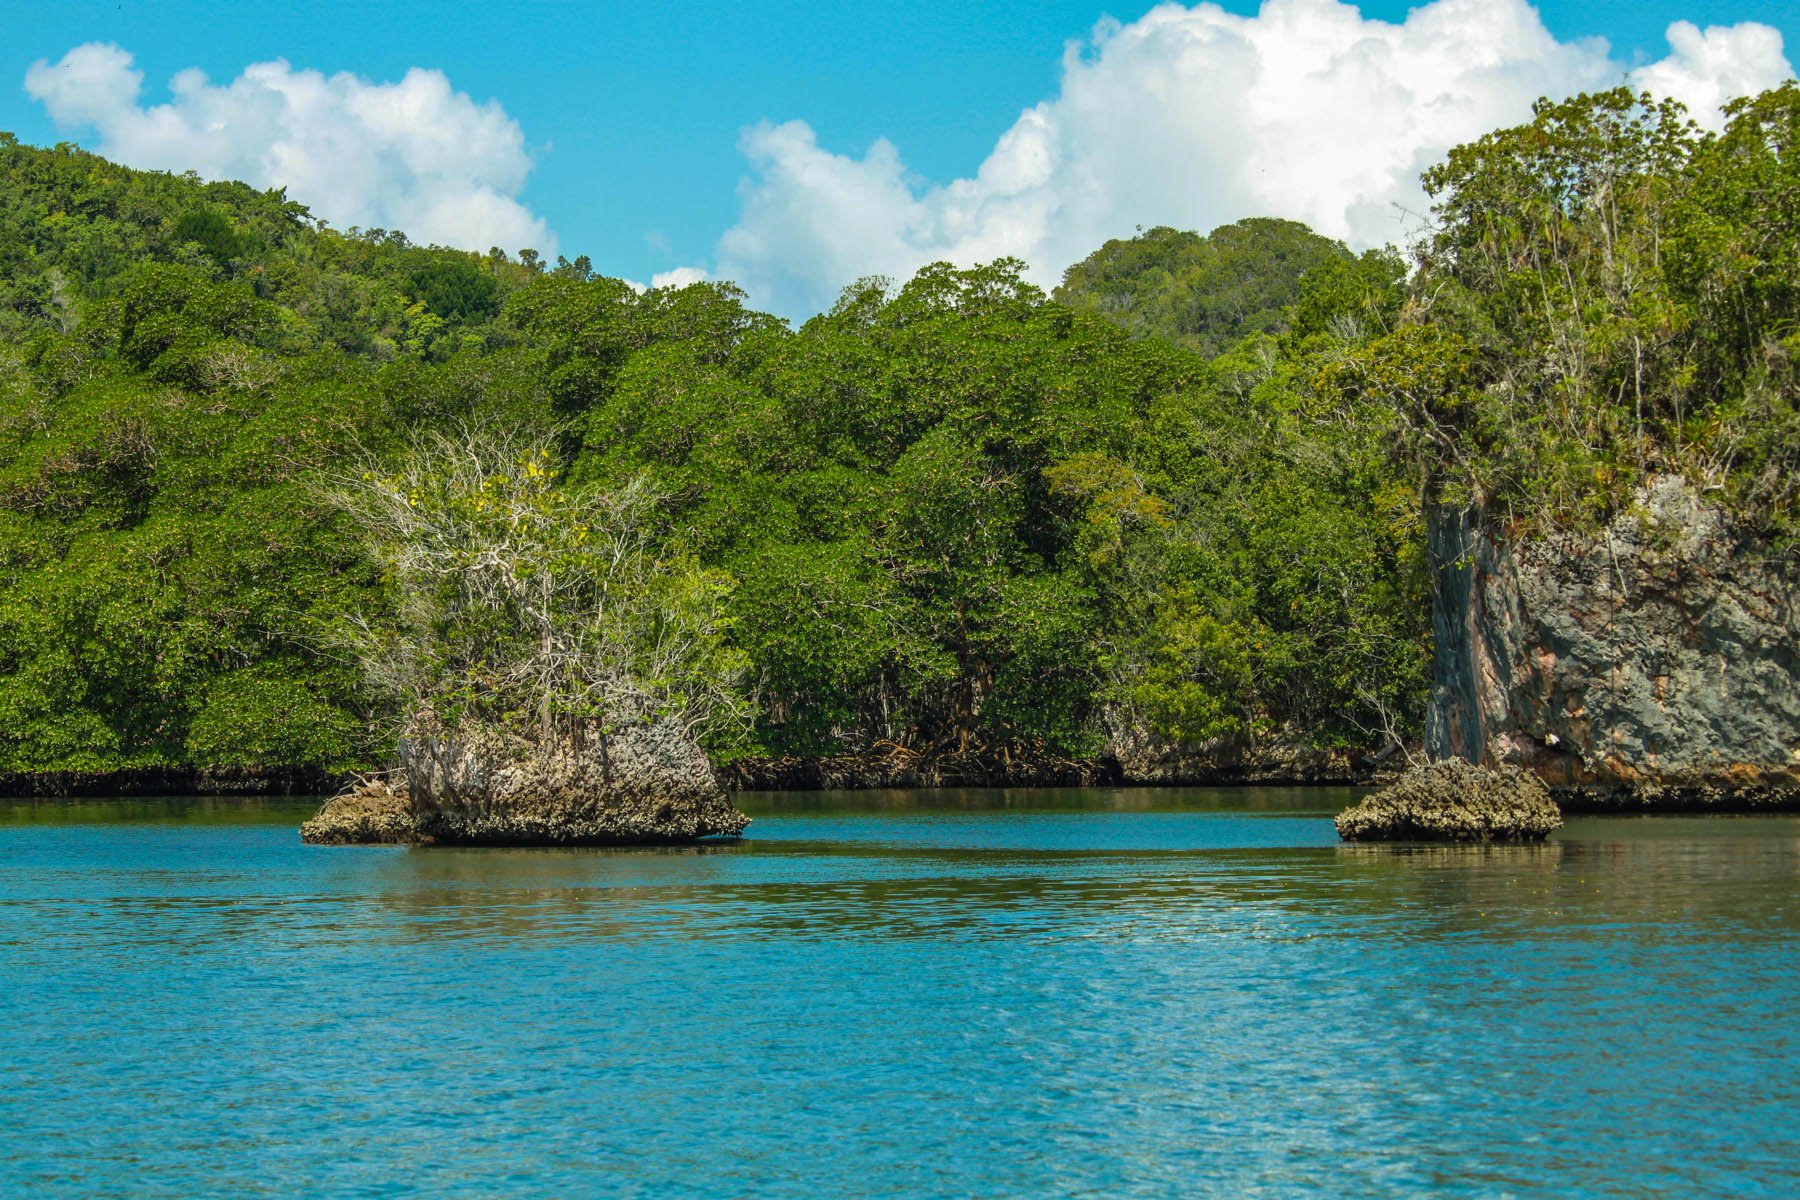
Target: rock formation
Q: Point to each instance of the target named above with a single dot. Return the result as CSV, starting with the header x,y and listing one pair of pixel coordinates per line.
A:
x,y
375,810
1652,662
1282,756
644,782
1455,801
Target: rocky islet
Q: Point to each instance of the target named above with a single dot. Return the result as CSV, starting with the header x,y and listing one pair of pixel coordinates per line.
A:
x,y
645,782
1455,801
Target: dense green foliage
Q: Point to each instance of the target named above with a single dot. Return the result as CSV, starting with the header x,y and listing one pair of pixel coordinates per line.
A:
x,y
947,514
1185,499
177,362
958,513
1609,292
1202,292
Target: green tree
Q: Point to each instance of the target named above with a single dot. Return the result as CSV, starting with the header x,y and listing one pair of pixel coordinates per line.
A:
x,y
527,606
1202,292
456,289
1602,299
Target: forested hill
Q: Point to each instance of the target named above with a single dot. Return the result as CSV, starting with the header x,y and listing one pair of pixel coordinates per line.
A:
x,y
76,229
950,514
1183,502
1202,292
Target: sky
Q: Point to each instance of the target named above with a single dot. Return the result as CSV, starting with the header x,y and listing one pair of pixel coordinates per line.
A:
x,y
797,147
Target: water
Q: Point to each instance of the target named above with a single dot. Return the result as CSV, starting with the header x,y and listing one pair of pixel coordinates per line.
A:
x,y
1109,994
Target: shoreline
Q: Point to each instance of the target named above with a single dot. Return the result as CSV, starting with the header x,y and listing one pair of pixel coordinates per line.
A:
x,y
855,773
170,781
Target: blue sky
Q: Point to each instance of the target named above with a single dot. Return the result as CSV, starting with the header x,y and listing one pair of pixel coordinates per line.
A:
x,y
633,117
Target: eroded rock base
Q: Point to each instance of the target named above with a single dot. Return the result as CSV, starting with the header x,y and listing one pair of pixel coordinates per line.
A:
x,y
373,812
377,813
642,783
1455,801
1678,798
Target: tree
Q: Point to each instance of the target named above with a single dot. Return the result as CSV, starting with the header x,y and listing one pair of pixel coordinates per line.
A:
x,y
1607,294
456,289
212,231
1202,292
532,608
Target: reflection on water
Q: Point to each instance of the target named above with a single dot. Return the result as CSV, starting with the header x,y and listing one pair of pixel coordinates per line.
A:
x,y
1107,993
1282,800
209,810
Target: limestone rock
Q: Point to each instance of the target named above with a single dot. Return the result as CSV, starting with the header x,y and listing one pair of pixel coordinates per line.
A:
x,y
372,812
645,781
1283,756
1658,655
1454,801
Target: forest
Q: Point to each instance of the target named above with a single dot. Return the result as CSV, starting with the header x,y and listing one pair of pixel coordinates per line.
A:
x,y
1180,497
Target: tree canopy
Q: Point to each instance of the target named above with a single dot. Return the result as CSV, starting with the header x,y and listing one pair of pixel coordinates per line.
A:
x,y
1202,292
1182,496
1609,292
945,513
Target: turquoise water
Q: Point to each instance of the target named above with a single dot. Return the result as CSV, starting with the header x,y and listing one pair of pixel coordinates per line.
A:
x,y
1109,994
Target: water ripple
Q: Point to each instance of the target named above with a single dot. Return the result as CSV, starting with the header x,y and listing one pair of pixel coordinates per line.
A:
x,y
1017,998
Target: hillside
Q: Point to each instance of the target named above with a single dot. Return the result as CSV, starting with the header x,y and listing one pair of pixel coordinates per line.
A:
x,y
1202,292
953,516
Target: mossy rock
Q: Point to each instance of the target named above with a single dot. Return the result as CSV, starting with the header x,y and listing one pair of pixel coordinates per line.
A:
x,y
1455,801
373,812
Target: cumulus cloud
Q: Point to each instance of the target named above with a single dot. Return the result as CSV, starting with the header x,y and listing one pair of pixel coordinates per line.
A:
x,y
1708,67
414,155
678,277
1194,118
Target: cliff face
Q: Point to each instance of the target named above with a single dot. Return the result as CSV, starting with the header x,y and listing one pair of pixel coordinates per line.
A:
x,y
1655,661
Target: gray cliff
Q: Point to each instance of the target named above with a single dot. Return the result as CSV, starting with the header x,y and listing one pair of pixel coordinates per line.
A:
x,y
1652,661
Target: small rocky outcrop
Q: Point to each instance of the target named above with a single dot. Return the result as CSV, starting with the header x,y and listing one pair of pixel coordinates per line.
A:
x,y
1455,801
371,812
645,782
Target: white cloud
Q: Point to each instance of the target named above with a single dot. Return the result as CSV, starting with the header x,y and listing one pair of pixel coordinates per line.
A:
x,y
675,277
678,277
1709,67
413,155
1194,118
